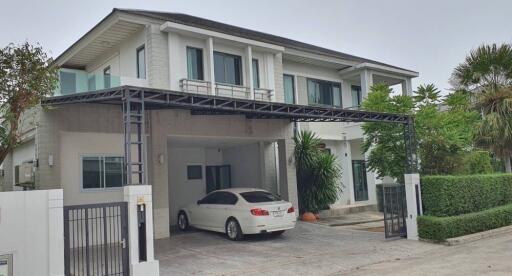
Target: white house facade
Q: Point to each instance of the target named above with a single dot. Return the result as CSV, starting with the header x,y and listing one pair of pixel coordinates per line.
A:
x,y
79,147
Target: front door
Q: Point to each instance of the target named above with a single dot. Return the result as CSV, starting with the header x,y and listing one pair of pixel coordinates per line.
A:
x,y
360,183
218,177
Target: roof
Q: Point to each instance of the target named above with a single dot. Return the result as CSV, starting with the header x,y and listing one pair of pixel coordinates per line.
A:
x,y
211,25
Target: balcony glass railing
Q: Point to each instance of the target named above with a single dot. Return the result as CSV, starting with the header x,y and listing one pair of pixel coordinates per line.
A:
x,y
225,90
77,81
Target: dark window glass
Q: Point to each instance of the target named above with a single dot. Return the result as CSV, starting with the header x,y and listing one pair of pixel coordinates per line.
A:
x,y
259,196
357,97
141,62
106,77
195,63
92,172
67,82
210,198
113,172
324,92
289,89
194,172
255,73
226,198
91,83
227,68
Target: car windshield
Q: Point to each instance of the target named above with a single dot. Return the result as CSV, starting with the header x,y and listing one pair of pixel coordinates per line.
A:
x,y
259,196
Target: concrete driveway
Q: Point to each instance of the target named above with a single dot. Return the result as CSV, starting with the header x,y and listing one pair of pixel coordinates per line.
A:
x,y
309,249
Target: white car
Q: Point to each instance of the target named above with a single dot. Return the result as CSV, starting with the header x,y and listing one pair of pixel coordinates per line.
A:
x,y
239,211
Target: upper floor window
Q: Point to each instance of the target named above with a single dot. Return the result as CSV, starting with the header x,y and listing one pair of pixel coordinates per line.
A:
x,y
106,77
141,62
194,63
324,92
255,73
227,68
67,82
357,97
289,89
102,172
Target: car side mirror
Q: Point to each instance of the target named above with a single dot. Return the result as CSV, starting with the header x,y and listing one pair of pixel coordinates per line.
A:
x,y
199,202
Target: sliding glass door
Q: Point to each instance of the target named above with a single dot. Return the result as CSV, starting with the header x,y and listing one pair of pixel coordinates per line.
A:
x,y
360,182
218,177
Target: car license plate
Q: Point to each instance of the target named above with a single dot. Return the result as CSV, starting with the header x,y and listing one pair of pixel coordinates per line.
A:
x,y
278,213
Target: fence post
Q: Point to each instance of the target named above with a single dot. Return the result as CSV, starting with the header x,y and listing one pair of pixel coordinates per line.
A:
x,y
55,232
412,180
137,196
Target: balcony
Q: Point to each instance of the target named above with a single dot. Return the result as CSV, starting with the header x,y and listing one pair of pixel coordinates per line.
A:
x,y
225,90
77,81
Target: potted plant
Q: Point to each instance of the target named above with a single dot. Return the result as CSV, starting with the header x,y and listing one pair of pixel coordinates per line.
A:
x,y
318,174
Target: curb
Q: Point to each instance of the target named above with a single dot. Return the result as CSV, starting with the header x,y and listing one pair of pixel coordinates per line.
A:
x,y
472,237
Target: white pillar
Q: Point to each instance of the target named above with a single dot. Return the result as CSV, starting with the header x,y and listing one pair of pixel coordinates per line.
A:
x,y
211,62
407,87
412,182
248,69
134,195
366,82
55,232
347,174
287,172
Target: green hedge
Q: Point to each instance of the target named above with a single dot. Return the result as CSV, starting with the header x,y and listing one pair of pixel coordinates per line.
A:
x,y
455,195
442,228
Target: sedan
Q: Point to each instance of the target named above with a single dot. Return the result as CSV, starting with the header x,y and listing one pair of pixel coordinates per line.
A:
x,y
239,211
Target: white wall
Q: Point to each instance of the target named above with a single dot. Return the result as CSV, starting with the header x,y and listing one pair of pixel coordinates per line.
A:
x,y
23,153
31,228
245,165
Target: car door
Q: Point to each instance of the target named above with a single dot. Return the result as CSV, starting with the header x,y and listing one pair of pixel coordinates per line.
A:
x,y
200,213
223,209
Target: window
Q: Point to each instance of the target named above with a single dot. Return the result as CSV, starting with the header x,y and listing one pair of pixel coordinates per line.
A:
x,y
210,198
289,89
227,68
141,62
324,92
357,97
255,73
194,172
91,83
259,196
224,198
106,77
67,82
102,172
195,63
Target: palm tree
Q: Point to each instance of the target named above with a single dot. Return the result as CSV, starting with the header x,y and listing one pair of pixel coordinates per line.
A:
x,y
427,94
494,131
486,67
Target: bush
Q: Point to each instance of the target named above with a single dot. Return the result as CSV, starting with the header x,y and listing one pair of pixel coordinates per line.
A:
x,y
455,195
442,228
477,162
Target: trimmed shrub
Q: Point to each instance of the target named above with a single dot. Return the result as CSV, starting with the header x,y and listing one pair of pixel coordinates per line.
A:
x,y
444,196
442,228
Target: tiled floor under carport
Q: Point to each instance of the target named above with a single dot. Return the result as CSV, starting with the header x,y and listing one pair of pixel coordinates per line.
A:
x,y
309,249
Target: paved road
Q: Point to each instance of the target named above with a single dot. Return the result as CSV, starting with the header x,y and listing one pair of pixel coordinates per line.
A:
x,y
322,250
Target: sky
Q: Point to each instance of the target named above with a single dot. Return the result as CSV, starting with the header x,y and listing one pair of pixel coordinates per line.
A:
x,y
431,37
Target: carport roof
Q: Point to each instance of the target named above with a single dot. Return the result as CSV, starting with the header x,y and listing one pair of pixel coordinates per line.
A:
x,y
200,104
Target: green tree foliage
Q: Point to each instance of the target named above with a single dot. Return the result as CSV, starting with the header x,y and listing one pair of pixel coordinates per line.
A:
x,y
427,94
318,173
26,76
443,136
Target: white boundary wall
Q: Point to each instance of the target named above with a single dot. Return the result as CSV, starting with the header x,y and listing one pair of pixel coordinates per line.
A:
x,y
32,230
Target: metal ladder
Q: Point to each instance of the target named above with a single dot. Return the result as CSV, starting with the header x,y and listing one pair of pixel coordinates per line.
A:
x,y
133,118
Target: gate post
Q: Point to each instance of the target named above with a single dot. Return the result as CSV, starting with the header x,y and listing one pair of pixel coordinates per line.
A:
x,y
140,197
412,181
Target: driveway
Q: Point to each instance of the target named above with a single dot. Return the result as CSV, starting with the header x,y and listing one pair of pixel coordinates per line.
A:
x,y
309,249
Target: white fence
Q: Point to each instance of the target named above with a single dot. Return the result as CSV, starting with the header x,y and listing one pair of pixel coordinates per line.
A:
x,y
31,230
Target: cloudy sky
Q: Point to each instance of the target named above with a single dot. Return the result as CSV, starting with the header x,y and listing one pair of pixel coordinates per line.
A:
x,y
430,37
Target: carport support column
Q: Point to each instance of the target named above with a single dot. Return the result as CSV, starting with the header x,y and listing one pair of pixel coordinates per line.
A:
x,y
137,196
287,173
412,181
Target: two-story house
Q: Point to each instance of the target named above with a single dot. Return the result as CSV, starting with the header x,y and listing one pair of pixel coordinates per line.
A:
x,y
79,146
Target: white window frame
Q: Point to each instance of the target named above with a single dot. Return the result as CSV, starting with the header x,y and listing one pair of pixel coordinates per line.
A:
x,y
104,188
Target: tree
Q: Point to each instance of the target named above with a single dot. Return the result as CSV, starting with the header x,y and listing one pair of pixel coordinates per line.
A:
x,y
317,173
26,76
427,95
486,67
494,131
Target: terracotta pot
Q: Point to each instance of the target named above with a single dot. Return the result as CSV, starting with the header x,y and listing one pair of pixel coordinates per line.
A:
x,y
309,217
317,216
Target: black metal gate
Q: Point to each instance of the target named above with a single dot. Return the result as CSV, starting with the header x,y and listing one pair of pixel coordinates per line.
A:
x,y
96,239
395,210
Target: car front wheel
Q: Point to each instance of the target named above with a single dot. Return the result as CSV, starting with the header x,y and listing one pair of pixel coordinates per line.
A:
x,y
233,230
183,221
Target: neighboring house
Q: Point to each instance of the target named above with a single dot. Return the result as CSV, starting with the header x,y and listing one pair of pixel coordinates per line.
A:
x,y
79,147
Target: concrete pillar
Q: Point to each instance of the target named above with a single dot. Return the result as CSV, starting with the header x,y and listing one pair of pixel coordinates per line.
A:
x,y
366,82
248,69
136,195
407,87
347,173
55,232
211,62
287,172
412,183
